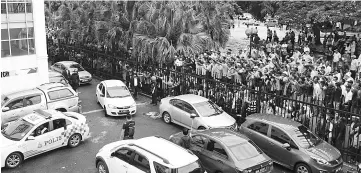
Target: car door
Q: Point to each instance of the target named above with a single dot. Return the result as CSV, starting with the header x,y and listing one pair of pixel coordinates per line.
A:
x,y
277,152
176,110
57,129
120,160
139,164
15,110
40,144
186,117
257,132
32,102
218,157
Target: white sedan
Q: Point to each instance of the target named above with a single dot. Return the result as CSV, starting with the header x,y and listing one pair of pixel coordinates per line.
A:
x,y
183,108
115,98
84,76
39,132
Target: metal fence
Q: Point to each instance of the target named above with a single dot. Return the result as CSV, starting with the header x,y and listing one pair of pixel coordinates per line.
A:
x,y
333,125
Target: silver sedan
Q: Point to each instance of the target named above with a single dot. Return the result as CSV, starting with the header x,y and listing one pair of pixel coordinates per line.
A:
x,y
205,114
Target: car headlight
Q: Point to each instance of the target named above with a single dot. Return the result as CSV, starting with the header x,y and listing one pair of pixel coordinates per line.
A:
x,y
112,106
320,161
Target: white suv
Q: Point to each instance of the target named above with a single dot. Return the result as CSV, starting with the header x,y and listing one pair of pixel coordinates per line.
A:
x,y
146,155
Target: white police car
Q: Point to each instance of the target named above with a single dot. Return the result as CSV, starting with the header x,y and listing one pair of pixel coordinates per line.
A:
x,y
146,155
39,132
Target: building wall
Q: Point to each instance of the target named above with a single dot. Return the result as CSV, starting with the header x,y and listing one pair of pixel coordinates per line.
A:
x,y
23,62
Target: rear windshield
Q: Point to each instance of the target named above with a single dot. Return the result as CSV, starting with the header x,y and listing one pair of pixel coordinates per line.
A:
x,y
77,66
245,150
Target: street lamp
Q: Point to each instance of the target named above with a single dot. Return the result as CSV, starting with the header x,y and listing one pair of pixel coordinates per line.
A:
x,y
250,32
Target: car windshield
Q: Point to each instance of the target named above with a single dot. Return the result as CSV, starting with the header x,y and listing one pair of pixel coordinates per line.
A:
x,y
77,66
117,92
305,138
245,150
207,109
17,129
59,79
194,167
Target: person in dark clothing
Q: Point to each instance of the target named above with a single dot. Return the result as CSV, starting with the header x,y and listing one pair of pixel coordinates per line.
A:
x,y
128,129
65,73
74,80
185,141
154,92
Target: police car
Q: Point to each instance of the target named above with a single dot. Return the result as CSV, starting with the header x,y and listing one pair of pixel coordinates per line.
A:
x,y
39,132
146,155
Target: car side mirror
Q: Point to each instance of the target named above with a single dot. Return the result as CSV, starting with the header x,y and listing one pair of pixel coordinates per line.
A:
x,y
101,95
30,138
193,115
5,109
113,154
286,146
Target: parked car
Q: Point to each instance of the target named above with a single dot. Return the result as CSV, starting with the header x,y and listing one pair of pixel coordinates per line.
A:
x,y
40,132
85,76
223,150
46,96
146,155
115,98
179,110
57,77
291,144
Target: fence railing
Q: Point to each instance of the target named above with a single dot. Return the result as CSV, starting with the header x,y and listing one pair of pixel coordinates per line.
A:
x,y
333,125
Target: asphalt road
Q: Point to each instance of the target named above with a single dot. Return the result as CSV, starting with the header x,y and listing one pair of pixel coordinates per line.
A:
x,y
103,131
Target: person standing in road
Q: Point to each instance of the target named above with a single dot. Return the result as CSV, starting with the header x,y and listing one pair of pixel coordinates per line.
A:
x,y
154,91
185,141
74,80
128,129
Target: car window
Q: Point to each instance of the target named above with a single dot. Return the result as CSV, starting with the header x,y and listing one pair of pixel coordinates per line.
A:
x,y
159,168
207,109
40,130
124,154
62,93
17,130
279,135
100,86
32,100
177,103
16,104
216,148
59,123
141,162
188,108
103,90
259,127
199,140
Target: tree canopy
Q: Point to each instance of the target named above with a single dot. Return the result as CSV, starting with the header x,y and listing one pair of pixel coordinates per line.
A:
x,y
156,30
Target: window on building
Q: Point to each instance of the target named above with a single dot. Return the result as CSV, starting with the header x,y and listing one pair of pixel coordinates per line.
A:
x,y
17,28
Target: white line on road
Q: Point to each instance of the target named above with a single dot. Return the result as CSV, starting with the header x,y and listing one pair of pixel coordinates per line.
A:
x,y
99,110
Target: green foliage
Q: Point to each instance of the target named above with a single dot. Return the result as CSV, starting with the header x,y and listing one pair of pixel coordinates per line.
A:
x,y
156,30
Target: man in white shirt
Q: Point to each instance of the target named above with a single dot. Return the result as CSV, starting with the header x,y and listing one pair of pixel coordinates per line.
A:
x,y
354,66
347,95
336,58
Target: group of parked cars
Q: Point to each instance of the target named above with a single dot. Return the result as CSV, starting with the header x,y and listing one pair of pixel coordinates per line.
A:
x,y
45,118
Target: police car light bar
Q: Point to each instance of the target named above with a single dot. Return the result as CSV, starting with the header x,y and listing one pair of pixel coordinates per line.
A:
x,y
44,114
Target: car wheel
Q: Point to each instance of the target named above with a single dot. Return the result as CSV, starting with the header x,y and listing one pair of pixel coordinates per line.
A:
x,y
105,111
302,168
102,167
13,160
74,140
167,118
201,128
219,172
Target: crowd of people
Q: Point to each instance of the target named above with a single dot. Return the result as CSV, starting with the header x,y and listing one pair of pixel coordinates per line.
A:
x,y
294,82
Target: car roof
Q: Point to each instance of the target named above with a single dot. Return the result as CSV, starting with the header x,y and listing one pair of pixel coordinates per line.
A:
x,y
67,63
39,116
191,98
22,93
226,136
48,86
277,121
112,83
174,154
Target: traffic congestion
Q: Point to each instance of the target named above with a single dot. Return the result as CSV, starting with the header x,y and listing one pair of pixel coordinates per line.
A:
x,y
191,134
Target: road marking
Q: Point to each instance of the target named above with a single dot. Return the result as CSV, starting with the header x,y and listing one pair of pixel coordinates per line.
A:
x,y
99,110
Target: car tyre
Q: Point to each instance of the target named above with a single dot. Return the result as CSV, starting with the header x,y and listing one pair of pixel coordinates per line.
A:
x,y
13,160
102,167
105,112
302,168
201,128
167,118
74,140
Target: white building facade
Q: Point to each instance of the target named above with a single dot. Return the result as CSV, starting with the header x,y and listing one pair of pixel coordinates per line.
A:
x,y
24,59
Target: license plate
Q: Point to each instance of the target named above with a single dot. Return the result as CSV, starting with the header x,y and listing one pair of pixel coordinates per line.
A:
x,y
264,169
123,111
